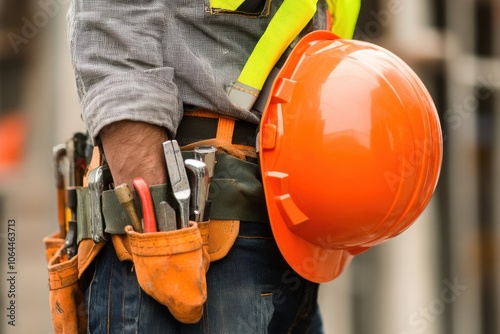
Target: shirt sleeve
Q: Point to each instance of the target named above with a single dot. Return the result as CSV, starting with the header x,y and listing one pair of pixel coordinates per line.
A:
x,y
117,55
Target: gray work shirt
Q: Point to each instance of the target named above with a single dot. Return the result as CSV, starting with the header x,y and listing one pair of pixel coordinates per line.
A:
x,y
147,60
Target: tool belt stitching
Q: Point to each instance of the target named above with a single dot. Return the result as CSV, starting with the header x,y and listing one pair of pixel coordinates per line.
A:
x,y
242,89
167,245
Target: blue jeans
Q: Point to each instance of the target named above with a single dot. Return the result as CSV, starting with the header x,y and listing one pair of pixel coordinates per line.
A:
x,y
252,290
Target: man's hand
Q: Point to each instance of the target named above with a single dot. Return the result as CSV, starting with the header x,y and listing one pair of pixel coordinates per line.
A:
x,y
135,149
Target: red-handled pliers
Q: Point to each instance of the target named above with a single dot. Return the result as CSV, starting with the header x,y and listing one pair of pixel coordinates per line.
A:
x,y
148,212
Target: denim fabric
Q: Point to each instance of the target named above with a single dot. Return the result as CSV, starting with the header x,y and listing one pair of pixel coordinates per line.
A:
x,y
252,290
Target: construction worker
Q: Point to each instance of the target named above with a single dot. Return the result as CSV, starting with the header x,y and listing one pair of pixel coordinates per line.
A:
x,y
150,71
156,75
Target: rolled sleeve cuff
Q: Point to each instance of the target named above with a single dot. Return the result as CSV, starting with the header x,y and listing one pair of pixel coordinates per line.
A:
x,y
149,96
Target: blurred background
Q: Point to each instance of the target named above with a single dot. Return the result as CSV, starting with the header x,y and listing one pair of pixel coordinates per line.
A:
x,y
440,276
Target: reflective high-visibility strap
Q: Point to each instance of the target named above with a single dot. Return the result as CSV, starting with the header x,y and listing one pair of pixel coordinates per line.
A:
x,y
226,4
344,16
292,16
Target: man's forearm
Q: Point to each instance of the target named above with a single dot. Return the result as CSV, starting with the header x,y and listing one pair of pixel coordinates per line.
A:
x,y
134,149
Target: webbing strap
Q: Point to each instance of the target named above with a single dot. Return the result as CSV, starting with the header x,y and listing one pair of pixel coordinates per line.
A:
x,y
292,16
225,129
226,126
226,4
344,16
236,194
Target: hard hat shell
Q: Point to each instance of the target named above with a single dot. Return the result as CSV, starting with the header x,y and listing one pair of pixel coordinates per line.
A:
x,y
350,152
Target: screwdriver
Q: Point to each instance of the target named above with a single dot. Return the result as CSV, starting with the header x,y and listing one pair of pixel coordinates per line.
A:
x,y
126,199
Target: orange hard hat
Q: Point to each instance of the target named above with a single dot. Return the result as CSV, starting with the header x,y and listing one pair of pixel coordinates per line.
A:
x,y
350,152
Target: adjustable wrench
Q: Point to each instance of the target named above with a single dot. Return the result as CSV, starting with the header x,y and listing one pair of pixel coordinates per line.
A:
x,y
207,155
98,179
198,180
148,212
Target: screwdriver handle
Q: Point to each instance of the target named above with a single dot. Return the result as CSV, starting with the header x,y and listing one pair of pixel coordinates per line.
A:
x,y
126,199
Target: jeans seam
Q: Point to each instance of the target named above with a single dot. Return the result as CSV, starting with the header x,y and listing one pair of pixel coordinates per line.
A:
x,y
206,324
109,298
305,307
140,305
89,296
123,300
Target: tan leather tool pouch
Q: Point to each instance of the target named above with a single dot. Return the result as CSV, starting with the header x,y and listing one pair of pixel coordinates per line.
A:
x,y
66,295
52,244
171,268
218,237
221,237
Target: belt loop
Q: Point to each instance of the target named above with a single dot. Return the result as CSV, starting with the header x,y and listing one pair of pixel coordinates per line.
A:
x,y
225,129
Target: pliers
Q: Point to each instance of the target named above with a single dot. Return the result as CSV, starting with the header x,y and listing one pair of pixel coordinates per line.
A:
x,y
148,212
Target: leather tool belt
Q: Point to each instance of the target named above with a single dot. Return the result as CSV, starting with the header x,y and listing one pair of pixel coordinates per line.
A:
x,y
236,195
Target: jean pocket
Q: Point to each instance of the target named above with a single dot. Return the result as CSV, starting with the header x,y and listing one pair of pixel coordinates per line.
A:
x,y
258,311
251,8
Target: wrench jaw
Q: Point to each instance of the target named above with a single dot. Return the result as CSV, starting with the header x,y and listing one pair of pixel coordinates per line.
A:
x,y
206,154
198,181
178,179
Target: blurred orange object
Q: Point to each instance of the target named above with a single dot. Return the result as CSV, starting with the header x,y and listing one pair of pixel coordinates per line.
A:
x,y
13,131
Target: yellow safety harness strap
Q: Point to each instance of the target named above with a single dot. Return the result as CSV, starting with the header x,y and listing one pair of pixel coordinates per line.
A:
x,y
226,4
344,15
292,16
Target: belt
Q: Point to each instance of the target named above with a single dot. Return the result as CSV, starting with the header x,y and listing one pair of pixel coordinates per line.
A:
x,y
235,191
200,125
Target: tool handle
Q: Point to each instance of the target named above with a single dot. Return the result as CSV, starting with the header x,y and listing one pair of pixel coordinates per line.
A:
x,y
70,241
126,199
61,213
148,212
